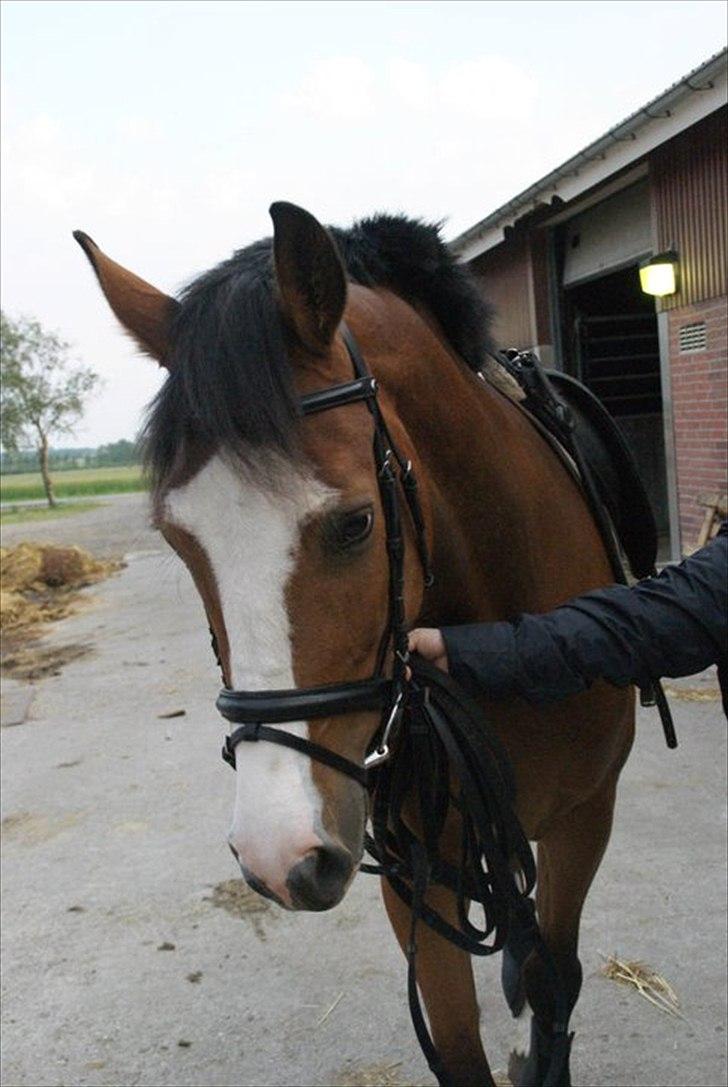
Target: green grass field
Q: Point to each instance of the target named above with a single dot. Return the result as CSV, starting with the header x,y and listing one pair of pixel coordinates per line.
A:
x,y
20,515
74,483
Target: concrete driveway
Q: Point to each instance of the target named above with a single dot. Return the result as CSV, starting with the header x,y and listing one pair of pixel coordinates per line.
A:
x,y
129,957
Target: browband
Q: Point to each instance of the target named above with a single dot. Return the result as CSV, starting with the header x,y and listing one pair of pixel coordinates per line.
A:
x,y
336,396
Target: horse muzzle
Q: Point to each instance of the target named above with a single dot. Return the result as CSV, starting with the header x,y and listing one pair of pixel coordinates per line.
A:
x,y
316,882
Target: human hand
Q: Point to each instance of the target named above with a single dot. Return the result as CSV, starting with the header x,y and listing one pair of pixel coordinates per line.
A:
x,y
429,643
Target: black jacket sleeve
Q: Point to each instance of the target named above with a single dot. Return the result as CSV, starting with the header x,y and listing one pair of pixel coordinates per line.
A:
x,y
673,624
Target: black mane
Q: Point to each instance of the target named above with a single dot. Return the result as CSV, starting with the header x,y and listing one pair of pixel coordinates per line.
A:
x,y
230,382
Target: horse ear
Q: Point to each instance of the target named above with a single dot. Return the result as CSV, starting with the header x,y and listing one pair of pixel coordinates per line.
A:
x,y
144,311
310,274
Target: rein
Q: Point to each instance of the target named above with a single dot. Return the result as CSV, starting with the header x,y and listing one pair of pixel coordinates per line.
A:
x,y
433,731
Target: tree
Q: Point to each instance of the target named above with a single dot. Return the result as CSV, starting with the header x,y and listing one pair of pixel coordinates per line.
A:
x,y
117,453
41,391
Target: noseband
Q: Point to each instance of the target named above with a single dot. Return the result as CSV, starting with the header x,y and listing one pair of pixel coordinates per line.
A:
x,y
254,711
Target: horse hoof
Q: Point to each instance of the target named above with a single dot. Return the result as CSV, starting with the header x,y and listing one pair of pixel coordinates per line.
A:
x,y
521,1070
532,1070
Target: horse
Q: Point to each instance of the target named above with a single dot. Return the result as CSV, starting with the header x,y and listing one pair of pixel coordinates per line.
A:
x,y
279,517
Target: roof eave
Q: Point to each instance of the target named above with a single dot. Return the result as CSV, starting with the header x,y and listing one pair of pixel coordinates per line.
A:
x,y
679,107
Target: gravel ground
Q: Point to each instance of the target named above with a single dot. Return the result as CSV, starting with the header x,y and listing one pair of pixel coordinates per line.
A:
x,y
129,957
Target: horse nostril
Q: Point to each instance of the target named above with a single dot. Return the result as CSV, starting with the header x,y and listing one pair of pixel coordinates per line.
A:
x,y
333,866
317,882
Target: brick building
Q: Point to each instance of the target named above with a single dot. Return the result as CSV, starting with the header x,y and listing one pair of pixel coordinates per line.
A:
x,y
560,261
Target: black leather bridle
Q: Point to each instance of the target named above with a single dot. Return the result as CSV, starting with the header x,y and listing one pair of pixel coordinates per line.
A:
x,y
438,731
254,711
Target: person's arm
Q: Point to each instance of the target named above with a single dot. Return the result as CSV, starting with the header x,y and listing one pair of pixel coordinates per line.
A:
x,y
674,624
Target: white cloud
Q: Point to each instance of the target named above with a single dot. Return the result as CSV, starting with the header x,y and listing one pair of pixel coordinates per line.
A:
x,y
410,82
488,88
137,129
337,88
41,166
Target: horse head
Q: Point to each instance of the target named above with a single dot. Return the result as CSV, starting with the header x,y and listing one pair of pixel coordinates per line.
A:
x,y
278,519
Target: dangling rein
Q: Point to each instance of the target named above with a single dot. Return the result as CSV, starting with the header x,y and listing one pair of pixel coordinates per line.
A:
x,y
443,740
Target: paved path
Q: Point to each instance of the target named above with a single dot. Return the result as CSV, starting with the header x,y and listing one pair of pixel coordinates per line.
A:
x,y
119,968
119,525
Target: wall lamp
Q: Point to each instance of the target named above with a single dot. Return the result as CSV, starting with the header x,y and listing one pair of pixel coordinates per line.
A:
x,y
659,274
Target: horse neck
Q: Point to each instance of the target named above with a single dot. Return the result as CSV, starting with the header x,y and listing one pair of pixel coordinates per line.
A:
x,y
510,529
480,524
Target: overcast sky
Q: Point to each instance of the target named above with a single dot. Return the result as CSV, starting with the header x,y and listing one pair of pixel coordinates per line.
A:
x,y
165,130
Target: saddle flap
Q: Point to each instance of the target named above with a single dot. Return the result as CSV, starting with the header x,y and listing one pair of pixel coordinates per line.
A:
x,y
615,471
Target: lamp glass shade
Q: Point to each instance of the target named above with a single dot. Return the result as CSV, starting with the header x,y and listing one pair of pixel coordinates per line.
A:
x,y
657,276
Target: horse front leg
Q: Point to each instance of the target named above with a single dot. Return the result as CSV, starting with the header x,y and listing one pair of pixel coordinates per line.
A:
x,y
568,858
445,980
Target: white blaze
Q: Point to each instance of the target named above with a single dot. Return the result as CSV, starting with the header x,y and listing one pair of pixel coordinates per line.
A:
x,y
251,537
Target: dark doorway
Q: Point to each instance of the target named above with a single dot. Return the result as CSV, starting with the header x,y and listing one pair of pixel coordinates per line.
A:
x,y
612,346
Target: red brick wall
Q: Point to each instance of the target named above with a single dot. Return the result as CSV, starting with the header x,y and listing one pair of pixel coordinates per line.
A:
x,y
700,407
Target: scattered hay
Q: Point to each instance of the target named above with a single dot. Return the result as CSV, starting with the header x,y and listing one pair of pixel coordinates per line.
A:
x,y
329,1010
40,582
31,828
35,663
388,1075
692,694
645,980
371,1075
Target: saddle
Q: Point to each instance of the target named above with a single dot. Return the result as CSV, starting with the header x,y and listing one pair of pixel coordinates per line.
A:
x,y
615,472
573,419
582,427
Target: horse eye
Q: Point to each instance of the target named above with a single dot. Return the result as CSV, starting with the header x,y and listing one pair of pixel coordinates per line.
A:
x,y
356,527
346,530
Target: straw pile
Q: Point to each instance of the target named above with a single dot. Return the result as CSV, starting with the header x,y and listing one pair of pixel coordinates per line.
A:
x,y
39,582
